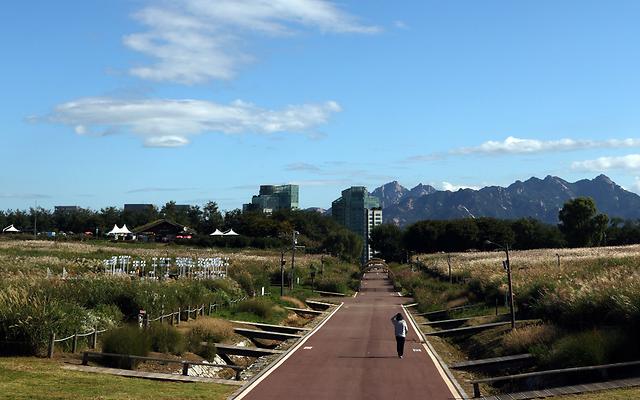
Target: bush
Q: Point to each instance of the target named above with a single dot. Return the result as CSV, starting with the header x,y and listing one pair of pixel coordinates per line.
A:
x,y
29,318
592,347
528,337
261,307
331,284
129,340
166,339
210,330
293,302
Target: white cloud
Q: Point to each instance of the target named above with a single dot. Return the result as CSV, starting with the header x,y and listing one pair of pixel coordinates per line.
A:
x,y
302,166
513,145
454,188
170,123
628,162
195,41
400,24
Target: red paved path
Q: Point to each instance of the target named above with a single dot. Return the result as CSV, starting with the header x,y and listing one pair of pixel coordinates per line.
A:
x,y
353,356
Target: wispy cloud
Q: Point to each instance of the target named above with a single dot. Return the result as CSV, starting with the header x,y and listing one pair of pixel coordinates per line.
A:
x,y
171,123
400,24
344,172
302,166
25,196
159,189
513,145
453,187
629,162
196,41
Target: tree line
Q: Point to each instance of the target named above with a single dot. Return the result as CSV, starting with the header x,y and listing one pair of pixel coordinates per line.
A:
x,y
580,226
318,233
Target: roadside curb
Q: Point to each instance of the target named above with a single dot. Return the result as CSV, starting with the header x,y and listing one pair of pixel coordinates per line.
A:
x,y
253,382
436,356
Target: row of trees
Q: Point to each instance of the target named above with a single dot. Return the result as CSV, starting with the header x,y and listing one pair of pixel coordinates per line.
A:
x,y
79,220
580,226
317,232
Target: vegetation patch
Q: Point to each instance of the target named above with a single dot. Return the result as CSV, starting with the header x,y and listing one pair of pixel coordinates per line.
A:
x,y
129,340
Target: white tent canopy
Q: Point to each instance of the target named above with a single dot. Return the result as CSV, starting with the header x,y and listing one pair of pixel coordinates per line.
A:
x,y
10,228
230,232
119,231
217,233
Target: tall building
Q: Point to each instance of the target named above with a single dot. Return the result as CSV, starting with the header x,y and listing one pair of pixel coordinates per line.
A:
x,y
359,212
272,198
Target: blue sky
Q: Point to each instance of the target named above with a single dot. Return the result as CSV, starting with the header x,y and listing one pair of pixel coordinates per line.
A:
x,y
133,101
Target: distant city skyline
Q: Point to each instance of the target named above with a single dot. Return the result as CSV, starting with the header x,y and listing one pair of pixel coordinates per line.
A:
x,y
139,101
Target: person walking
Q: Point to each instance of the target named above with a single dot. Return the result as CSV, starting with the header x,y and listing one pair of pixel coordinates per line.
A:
x,y
400,326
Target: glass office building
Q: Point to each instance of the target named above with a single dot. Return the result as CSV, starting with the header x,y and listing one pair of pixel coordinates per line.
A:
x,y
272,198
359,212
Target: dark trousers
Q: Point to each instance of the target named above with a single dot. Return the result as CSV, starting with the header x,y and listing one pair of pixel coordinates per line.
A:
x,y
400,345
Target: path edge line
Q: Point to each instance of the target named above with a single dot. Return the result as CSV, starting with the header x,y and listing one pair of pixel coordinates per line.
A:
x,y
251,384
441,366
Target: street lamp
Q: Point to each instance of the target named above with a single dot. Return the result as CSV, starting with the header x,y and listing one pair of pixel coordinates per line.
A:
x,y
507,266
294,246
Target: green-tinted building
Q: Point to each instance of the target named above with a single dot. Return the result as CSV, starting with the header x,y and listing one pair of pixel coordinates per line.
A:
x,y
359,212
272,198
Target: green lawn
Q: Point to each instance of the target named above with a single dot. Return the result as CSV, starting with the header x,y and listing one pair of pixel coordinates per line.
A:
x,y
35,378
617,394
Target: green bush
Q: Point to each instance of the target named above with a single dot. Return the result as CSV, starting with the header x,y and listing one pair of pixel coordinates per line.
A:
x,y
29,317
331,284
259,306
210,330
592,347
129,340
166,339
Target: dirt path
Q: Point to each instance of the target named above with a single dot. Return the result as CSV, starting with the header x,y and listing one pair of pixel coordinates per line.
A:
x,y
353,356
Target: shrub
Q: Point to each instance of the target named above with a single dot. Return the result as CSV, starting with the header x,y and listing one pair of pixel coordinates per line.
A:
x,y
592,347
261,307
210,330
166,339
293,301
125,340
30,317
245,281
527,337
332,284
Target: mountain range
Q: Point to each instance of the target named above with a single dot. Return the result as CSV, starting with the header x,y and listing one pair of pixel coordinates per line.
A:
x,y
537,198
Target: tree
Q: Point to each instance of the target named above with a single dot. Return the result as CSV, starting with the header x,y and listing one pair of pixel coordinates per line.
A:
x,y
533,234
495,230
580,223
387,240
459,235
424,236
211,218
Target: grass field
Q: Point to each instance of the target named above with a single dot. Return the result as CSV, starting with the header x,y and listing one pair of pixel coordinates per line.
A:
x,y
33,257
35,378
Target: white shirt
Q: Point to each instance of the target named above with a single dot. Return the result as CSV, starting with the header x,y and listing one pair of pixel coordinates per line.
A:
x,y
400,327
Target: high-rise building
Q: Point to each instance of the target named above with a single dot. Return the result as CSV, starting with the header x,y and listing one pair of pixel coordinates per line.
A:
x,y
359,212
272,198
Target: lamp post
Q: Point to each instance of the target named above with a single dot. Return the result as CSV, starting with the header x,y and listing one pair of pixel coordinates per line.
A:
x,y
294,241
294,246
282,263
506,264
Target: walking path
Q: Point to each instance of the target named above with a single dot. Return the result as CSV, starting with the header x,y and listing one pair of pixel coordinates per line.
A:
x,y
353,356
